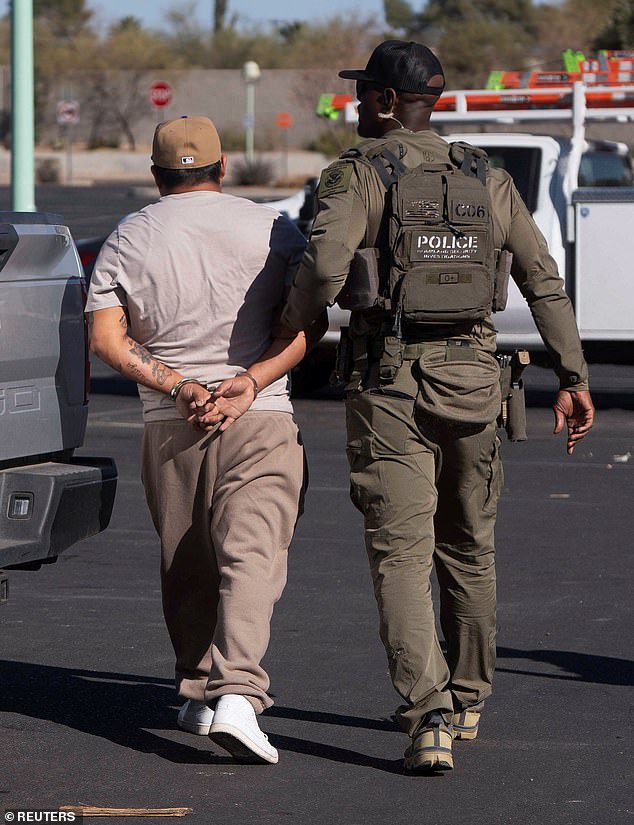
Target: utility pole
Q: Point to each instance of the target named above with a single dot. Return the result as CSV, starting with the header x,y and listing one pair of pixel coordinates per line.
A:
x,y
22,107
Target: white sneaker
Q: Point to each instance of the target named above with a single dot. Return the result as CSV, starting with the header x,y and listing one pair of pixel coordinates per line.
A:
x,y
235,728
195,717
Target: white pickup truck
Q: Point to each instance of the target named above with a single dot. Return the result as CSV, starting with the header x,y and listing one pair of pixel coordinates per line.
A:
x,y
580,192
581,195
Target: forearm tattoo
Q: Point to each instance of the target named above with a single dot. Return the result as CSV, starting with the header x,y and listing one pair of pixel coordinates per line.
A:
x,y
160,372
141,353
138,373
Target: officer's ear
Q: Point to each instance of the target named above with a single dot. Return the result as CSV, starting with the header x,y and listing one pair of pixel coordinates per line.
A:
x,y
388,99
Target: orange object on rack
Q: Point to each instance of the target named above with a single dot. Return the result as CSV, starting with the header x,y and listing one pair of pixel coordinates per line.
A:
x,y
526,99
609,68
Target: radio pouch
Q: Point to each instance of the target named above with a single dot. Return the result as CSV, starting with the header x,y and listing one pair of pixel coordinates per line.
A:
x,y
361,289
502,277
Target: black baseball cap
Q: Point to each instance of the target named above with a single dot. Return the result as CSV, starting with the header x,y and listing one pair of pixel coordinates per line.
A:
x,y
401,65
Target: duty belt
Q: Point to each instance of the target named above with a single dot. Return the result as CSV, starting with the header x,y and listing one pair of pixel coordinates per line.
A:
x,y
457,349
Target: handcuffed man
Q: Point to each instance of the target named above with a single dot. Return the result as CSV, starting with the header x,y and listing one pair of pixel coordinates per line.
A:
x,y
183,296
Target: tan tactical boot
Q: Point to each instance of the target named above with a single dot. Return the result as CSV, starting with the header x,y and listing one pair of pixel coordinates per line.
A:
x,y
431,746
465,722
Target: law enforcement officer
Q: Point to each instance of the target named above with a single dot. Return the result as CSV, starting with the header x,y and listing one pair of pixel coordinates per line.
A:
x,y
421,413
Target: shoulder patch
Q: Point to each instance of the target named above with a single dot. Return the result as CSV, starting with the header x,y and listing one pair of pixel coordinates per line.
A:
x,y
335,180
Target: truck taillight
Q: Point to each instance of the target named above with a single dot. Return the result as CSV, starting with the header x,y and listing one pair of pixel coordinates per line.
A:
x,y
88,256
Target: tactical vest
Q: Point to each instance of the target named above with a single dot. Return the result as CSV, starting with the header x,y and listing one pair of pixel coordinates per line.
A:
x,y
438,233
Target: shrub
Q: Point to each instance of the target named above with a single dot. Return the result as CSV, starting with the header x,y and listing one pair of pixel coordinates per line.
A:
x,y
332,142
47,170
257,172
101,142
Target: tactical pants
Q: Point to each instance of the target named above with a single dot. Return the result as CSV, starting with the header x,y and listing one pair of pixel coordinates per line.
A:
x,y
225,507
428,490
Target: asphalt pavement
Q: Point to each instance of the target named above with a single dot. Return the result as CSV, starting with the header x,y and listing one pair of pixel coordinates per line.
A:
x,y
94,211
88,211
87,708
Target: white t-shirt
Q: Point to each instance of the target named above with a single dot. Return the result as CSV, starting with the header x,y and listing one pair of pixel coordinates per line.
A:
x,y
201,275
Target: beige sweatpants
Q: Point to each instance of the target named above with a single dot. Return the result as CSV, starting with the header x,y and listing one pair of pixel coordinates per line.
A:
x,y
225,507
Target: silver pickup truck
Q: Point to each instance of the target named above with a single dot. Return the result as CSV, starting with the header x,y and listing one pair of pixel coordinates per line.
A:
x,y
49,499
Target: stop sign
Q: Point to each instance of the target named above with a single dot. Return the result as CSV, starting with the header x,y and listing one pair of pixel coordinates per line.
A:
x,y
160,94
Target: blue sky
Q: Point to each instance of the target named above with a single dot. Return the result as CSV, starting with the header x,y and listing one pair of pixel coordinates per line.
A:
x,y
152,12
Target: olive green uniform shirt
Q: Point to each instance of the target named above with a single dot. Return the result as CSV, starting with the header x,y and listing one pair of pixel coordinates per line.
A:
x,y
351,203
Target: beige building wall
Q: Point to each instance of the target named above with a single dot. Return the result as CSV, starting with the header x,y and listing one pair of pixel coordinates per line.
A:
x,y
115,111
110,100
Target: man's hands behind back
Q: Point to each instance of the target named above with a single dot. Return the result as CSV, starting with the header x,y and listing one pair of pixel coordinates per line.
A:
x,y
223,405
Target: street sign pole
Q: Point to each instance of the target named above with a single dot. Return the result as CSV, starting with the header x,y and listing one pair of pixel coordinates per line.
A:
x,y
69,153
159,113
22,108
285,154
284,122
67,117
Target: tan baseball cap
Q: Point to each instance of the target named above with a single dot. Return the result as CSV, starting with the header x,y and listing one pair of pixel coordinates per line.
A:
x,y
186,143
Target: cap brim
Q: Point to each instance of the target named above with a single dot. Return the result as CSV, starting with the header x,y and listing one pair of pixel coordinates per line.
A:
x,y
355,74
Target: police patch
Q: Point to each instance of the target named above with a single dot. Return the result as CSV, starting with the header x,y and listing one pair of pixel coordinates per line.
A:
x,y
335,180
